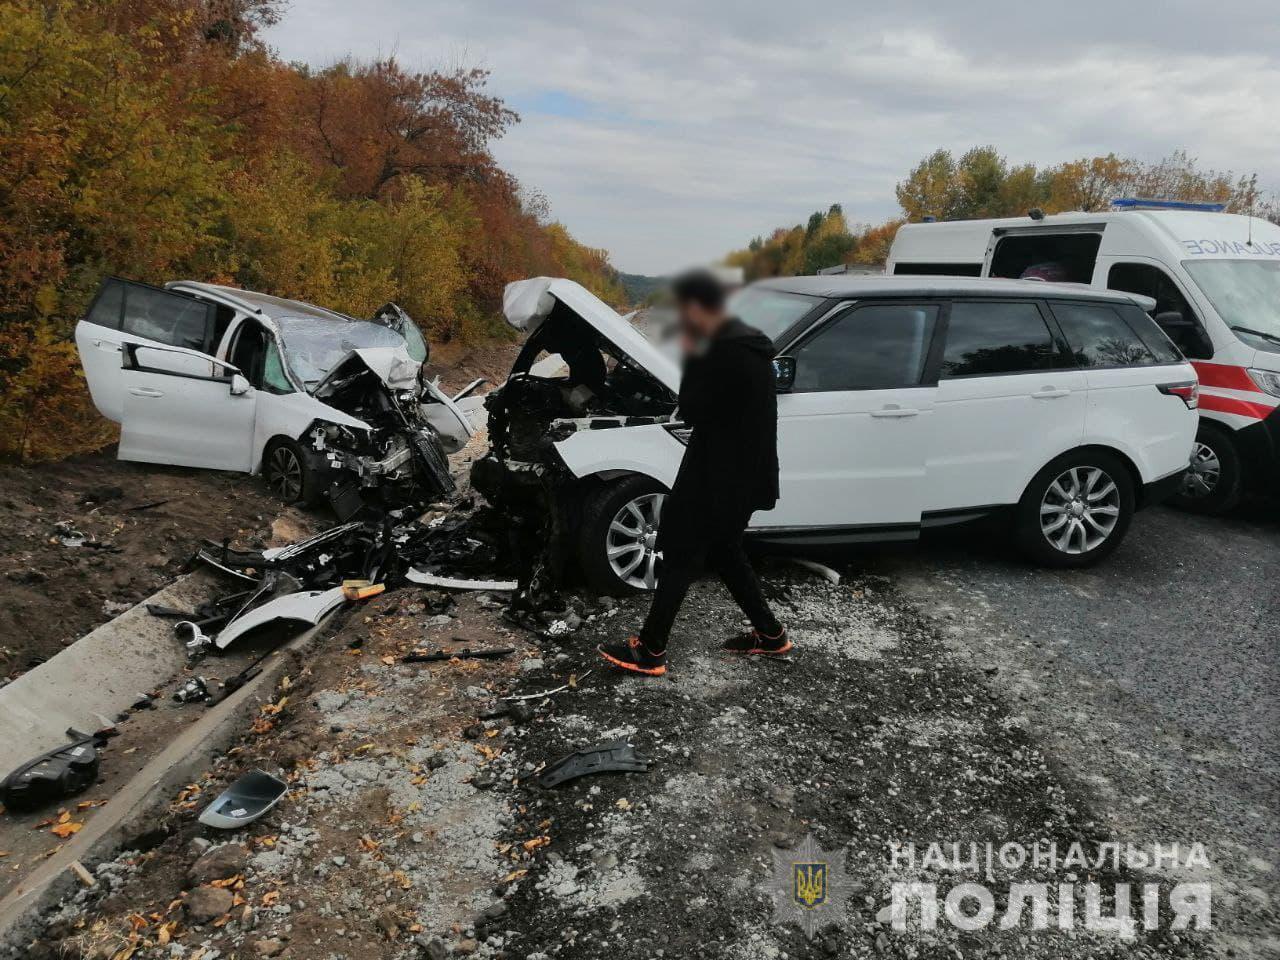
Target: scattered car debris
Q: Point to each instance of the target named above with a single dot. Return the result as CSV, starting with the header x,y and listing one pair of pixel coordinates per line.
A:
x,y
572,684
456,583
69,536
361,589
617,756
821,569
306,607
466,653
244,801
195,690
61,772
169,613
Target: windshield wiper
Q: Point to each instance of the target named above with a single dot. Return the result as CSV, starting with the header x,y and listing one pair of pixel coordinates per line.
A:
x,y
1257,333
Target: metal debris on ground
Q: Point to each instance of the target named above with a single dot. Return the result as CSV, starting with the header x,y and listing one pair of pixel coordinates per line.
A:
x,y
617,756
244,801
571,685
466,653
195,690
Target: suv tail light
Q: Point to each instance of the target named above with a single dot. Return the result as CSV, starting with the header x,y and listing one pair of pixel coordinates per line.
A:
x,y
1188,391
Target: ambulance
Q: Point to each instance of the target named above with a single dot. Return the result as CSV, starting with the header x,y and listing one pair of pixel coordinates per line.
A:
x,y
1215,280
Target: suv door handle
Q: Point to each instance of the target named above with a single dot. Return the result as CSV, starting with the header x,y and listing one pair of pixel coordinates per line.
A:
x,y
1050,393
146,392
893,410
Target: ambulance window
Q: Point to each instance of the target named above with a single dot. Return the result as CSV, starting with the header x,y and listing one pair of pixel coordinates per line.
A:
x,y
1150,281
1064,258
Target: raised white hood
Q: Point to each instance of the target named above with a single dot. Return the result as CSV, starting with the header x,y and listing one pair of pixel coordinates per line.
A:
x,y
527,303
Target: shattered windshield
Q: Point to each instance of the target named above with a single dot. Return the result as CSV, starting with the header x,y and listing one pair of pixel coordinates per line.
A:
x,y
1246,294
771,312
313,347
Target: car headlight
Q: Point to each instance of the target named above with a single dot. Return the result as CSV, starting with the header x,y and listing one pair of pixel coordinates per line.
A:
x,y
1268,381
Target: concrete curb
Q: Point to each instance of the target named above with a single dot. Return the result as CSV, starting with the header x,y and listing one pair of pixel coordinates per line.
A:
x,y
98,676
151,789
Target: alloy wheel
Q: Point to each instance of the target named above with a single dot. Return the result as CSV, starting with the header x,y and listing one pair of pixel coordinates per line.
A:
x,y
1080,510
631,543
1203,474
284,477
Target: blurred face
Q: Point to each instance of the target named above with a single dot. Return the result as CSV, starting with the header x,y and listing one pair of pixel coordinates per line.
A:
x,y
697,326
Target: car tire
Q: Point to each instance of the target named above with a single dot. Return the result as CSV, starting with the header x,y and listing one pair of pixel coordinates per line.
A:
x,y
1215,480
625,512
1076,510
288,473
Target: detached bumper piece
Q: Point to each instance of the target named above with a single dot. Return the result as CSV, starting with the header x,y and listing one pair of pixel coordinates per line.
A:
x,y
52,776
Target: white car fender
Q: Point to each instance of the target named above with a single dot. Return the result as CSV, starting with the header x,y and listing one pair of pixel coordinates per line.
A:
x,y
288,415
649,450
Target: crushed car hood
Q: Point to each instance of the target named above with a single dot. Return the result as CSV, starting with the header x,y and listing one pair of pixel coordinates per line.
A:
x,y
399,371
527,303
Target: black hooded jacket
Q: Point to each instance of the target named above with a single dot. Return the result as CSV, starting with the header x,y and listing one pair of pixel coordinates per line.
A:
x,y
729,397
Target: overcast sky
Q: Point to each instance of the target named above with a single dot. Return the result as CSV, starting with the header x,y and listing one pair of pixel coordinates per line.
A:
x,y
672,132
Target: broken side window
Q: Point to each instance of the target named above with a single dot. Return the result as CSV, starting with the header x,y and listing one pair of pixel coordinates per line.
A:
x,y
168,318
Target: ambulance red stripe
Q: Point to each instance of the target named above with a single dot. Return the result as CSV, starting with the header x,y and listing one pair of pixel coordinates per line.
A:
x,y
1224,375
1243,408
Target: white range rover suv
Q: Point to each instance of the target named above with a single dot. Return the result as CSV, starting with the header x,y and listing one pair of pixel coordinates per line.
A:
x,y
904,403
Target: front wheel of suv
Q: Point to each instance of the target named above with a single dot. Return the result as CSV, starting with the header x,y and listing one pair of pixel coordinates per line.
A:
x,y
617,542
1076,510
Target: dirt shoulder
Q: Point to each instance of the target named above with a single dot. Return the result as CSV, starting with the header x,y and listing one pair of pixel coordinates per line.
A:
x,y
141,522
413,828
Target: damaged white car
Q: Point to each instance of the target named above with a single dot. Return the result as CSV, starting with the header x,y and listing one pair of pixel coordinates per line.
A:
x,y
905,403
322,404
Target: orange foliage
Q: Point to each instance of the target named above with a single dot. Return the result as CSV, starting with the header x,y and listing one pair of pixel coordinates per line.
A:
x,y
158,138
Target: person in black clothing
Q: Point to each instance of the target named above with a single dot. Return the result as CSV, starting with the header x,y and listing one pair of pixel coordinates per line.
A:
x,y
730,470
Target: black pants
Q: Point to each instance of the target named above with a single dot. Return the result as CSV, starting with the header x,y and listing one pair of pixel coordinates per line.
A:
x,y
683,565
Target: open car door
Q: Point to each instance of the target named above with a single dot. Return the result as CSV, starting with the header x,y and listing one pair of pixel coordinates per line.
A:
x,y
125,312
189,419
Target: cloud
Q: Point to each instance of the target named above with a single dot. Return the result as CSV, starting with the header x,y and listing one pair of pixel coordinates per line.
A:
x,y
670,133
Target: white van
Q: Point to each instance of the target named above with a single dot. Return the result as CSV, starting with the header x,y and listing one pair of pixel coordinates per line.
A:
x,y
1215,278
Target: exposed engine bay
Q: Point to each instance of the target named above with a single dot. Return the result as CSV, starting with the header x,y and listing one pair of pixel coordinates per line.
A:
x,y
596,387
399,459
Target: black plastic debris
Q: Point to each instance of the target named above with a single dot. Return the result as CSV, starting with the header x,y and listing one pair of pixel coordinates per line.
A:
x,y
466,653
618,756
61,772
244,801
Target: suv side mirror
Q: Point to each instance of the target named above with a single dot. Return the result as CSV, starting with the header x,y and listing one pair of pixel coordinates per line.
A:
x,y
784,373
239,385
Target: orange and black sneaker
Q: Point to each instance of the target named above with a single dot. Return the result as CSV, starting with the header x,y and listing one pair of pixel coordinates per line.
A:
x,y
755,643
634,656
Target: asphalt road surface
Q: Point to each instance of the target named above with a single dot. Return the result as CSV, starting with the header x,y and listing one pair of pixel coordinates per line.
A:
x,y
1153,679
